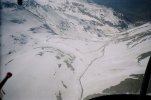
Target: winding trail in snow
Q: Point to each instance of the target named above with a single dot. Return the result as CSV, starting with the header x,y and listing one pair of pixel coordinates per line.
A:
x,y
102,48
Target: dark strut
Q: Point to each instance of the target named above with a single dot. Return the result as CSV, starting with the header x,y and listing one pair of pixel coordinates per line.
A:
x,y
2,83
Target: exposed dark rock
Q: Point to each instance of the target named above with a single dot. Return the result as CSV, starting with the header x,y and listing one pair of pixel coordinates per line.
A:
x,y
69,65
18,21
65,86
58,57
40,54
129,85
59,65
59,96
144,55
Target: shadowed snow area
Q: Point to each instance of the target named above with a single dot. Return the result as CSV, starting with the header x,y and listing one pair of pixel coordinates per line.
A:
x,y
68,49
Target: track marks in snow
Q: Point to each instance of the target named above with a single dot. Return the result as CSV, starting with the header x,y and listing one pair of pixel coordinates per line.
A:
x,y
9,62
102,49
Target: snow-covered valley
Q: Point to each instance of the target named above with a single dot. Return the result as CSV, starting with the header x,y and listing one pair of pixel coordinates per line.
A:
x,y
68,49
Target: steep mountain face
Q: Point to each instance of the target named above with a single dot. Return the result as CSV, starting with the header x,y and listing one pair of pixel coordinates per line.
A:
x,y
72,16
134,10
68,49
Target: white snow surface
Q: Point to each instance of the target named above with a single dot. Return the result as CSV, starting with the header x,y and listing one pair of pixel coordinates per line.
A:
x,y
67,50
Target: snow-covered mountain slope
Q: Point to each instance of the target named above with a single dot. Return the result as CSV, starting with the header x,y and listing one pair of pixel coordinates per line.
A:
x,y
68,49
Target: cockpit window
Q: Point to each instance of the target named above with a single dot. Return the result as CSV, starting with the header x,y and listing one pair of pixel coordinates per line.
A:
x,y
73,49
